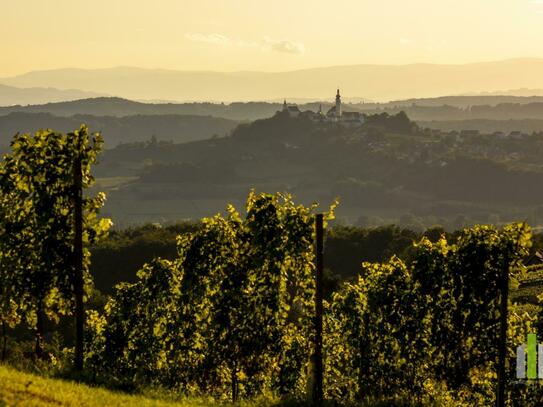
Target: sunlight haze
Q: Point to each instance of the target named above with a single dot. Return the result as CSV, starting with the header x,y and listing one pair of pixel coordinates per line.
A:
x,y
242,35
271,203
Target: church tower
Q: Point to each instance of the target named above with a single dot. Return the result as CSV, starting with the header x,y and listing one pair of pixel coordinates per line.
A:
x,y
338,104
285,108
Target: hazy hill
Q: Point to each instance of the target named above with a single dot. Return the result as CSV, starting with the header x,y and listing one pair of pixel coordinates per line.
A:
x,y
176,128
111,106
463,101
486,125
502,111
442,108
10,95
376,82
385,169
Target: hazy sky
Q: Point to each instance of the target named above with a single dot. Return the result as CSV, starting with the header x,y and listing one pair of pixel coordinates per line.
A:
x,y
266,35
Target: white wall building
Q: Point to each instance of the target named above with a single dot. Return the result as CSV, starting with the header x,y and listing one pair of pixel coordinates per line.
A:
x,y
335,114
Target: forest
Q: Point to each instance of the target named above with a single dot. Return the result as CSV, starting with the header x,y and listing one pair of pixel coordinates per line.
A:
x,y
224,308
390,170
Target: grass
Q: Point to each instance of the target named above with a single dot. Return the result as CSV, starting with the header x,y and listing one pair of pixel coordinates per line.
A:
x,y
112,183
25,389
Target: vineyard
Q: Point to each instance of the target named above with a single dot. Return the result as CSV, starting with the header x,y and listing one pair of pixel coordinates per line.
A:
x,y
231,317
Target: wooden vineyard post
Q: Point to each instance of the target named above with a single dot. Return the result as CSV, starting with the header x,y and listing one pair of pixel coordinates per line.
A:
x,y
502,346
78,259
318,364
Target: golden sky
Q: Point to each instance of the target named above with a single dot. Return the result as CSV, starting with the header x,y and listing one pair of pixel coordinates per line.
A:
x,y
263,35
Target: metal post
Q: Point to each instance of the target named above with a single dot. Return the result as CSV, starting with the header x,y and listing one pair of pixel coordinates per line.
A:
x,y
317,384
502,346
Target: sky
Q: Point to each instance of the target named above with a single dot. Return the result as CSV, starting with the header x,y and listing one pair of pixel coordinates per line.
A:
x,y
263,35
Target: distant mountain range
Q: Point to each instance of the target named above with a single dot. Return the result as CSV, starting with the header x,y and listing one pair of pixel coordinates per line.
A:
x,y
10,95
375,82
511,92
463,101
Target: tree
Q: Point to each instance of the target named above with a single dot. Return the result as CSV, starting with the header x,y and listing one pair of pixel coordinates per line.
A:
x,y
38,222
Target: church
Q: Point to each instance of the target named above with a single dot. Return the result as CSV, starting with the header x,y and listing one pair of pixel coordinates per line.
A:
x,y
335,114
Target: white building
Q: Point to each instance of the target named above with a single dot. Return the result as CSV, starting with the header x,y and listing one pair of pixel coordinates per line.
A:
x,y
335,114
292,110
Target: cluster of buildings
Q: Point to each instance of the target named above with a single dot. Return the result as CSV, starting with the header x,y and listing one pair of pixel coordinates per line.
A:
x,y
335,114
466,134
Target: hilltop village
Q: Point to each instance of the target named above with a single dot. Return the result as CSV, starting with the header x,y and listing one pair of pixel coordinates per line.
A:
x,y
335,114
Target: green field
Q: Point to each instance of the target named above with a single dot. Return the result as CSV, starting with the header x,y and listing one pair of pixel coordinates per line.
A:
x,y
112,183
24,389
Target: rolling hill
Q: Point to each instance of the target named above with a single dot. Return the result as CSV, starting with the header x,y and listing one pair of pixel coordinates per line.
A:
x,y
433,109
385,169
113,106
10,95
375,82
126,129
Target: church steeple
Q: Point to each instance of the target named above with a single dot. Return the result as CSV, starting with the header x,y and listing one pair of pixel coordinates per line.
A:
x,y
284,104
338,104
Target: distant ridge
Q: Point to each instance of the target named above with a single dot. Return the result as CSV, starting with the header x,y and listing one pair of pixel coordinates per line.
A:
x,y
373,82
127,129
114,106
426,109
10,95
